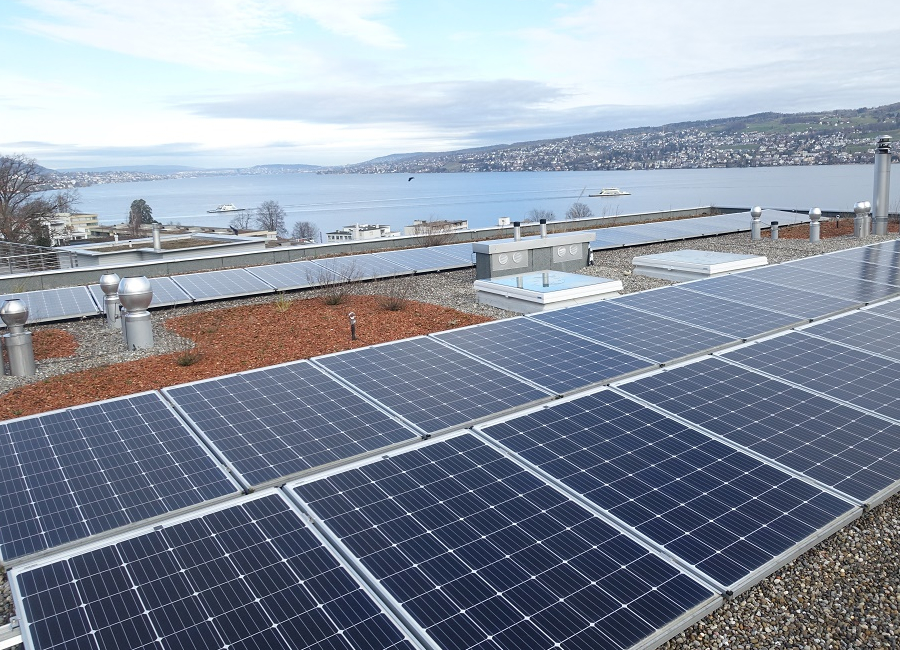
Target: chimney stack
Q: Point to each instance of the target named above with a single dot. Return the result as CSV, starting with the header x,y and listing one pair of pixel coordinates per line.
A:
x,y
882,192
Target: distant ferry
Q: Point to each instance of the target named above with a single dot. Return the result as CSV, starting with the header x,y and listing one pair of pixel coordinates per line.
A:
x,y
226,207
611,191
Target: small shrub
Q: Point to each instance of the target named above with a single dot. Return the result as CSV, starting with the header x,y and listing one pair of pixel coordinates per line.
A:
x,y
394,294
334,288
188,357
282,303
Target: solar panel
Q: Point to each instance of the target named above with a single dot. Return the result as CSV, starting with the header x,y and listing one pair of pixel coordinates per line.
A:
x,y
873,254
423,260
55,304
246,575
709,312
783,299
68,474
227,283
854,376
291,275
856,269
432,386
463,251
889,309
846,287
841,447
728,514
639,333
165,293
361,267
862,329
482,553
285,419
549,357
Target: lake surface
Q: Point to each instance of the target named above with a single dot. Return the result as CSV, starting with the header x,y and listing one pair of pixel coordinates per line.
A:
x,y
335,200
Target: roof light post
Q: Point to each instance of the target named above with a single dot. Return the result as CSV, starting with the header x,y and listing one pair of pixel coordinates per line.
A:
x,y
755,225
814,215
352,317
109,283
882,192
17,341
135,295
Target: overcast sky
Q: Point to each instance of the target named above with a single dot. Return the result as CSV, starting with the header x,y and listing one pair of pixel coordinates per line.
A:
x,y
213,83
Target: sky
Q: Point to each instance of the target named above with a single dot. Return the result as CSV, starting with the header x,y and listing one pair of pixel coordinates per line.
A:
x,y
236,83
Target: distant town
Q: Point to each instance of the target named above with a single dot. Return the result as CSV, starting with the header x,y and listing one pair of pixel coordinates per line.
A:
x,y
763,140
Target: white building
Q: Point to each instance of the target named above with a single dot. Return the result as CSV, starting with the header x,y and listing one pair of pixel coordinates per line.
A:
x,y
434,227
68,226
360,231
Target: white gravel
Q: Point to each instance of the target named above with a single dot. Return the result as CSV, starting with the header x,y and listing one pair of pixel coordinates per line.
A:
x,y
844,593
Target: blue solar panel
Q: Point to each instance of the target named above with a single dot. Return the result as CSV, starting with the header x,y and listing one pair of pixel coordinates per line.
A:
x,y
783,299
68,474
215,285
422,260
250,575
292,275
850,268
55,304
862,329
709,312
278,421
856,453
429,384
889,309
720,510
646,335
483,554
462,251
846,287
362,267
857,377
165,293
551,358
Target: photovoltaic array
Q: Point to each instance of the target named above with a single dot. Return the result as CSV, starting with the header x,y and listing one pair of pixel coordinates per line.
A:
x,y
722,511
251,575
865,329
86,470
274,422
55,304
481,553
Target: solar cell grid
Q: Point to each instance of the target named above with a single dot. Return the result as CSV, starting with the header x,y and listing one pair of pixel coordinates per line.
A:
x,y
481,553
227,283
251,575
165,293
855,376
422,260
845,287
851,268
889,309
709,312
639,333
291,275
719,509
551,358
429,384
361,267
783,299
69,474
55,304
462,251
839,446
864,329
285,419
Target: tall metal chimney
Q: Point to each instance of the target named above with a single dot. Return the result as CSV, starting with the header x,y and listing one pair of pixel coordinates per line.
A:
x,y
882,193
517,230
543,223
157,243
17,341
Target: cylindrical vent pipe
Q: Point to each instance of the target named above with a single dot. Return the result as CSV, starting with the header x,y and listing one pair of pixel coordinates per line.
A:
x,y
517,230
861,221
773,229
814,215
109,283
755,224
882,193
543,223
157,243
17,341
135,294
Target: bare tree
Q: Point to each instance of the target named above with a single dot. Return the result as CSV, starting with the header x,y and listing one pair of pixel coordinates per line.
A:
x,y
579,210
270,216
242,220
533,216
433,231
25,207
305,230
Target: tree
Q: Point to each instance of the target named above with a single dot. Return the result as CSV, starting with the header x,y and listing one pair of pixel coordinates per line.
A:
x,y
305,230
533,216
241,220
139,214
25,205
579,210
270,216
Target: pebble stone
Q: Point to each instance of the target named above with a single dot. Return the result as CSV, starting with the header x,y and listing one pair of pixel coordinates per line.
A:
x,y
843,593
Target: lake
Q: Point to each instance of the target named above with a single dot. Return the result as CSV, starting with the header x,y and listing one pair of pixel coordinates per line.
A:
x,y
335,200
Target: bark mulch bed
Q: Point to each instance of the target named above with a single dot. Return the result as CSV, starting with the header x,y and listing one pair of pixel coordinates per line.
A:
x,y
829,228
237,339
53,344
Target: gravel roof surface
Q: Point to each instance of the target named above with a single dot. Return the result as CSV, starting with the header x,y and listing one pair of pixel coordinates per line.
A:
x,y
843,593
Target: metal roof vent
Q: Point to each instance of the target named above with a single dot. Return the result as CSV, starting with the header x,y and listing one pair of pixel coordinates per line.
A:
x,y
109,284
17,341
135,294
882,193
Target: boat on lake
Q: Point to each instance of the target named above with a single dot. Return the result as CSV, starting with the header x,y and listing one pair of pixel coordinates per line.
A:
x,y
611,191
226,207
